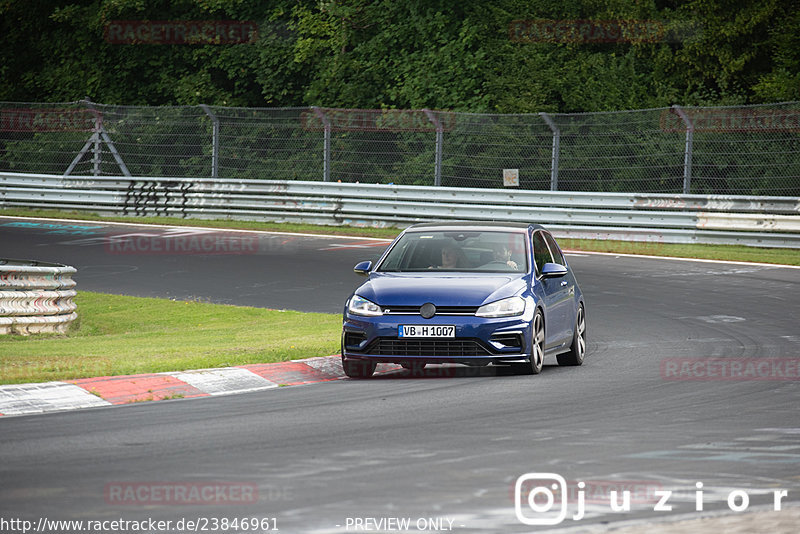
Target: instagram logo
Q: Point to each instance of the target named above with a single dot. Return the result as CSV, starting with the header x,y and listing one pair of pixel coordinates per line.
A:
x,y
540,491
536,496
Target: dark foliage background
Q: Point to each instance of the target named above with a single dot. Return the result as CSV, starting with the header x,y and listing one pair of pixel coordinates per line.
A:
x,y
415,54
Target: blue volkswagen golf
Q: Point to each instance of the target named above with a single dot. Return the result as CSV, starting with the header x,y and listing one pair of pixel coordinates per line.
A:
x,y
468,293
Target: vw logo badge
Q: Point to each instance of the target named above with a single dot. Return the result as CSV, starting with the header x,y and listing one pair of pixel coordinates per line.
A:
x,y
427,310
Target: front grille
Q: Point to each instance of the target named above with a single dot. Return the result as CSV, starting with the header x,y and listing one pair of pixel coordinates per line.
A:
x,y
434,348
440,310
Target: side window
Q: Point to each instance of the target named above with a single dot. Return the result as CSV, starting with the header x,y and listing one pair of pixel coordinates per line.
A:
x,y
557,256
541,254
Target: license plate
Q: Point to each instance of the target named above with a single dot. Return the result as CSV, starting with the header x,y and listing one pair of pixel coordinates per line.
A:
x,y
426,331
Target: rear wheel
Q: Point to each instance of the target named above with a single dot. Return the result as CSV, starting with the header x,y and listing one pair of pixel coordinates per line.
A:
x,y
358,368
534,367
578,349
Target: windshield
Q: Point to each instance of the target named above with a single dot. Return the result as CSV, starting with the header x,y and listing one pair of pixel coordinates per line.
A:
x,y
486,251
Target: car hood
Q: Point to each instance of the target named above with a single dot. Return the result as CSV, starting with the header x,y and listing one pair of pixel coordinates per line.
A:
x,y
396,289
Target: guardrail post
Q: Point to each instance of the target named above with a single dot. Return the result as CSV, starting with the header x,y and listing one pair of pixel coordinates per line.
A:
x,y
326,150
437,169
687,152
556,150
214,140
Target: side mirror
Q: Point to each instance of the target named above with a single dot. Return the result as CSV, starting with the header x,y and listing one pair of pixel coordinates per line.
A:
x,y
363,268
553,270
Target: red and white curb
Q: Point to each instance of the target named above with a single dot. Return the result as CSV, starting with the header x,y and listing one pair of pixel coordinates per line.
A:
x,y
21,399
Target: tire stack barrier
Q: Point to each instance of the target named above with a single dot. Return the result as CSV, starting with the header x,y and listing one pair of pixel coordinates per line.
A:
x,y
36,297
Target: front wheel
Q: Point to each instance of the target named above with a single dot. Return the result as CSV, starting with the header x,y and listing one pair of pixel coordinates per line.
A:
x,y
578,349
534,367
358,368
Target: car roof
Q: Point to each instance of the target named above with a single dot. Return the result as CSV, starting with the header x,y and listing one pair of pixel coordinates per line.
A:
x,y
474,225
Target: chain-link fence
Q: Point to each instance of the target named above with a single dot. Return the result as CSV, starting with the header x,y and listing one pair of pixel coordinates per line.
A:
x,y
749,150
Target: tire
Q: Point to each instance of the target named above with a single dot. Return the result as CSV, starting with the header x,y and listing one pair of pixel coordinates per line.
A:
x,y
577,350
534,367
358,368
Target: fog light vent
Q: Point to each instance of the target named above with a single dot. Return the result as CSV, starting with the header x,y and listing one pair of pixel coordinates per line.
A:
x,y
511,341
354,339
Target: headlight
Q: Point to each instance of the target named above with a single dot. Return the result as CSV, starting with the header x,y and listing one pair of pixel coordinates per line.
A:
x,y
361,306
502,308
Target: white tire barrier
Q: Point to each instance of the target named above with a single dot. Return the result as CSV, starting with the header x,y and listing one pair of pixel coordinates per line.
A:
x,y
36,297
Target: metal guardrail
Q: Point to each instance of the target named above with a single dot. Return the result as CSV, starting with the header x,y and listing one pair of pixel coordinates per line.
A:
x,y
35,297
760,221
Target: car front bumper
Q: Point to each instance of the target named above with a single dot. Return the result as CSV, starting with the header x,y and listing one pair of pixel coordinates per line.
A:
x,y
477,341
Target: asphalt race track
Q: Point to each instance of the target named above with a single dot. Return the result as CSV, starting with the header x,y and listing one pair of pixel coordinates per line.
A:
x,y
649,412
266,270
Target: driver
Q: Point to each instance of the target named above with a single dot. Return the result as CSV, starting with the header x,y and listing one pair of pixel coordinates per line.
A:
x,y
451,257
502,254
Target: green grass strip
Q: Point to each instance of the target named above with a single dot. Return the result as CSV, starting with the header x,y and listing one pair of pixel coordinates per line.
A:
x,y
782,256
120,335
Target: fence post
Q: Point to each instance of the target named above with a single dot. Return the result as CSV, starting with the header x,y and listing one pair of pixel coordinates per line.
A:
x,y
688,149
214,140
326,150
556,150
437,172
96,155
